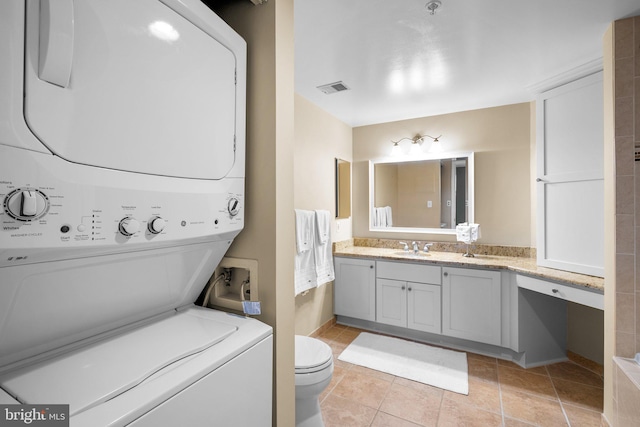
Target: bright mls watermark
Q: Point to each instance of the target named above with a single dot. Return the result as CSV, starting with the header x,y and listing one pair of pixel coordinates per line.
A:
x,y
34,415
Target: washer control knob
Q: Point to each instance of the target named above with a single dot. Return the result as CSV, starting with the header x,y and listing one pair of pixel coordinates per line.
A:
x,y
156,225
129,226
233,206
26,204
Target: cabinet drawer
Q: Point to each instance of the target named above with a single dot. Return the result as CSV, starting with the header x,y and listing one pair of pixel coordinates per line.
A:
x,y
409,272
569,293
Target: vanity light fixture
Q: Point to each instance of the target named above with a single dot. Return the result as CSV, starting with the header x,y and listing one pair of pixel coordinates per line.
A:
x,y
415,144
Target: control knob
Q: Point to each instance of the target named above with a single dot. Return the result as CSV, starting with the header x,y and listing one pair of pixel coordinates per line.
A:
x,y
129,226
156,225
233,206
26,204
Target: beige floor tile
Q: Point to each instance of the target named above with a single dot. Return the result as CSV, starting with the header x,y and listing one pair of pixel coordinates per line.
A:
x,y
482,395
541,370
510,422
421,387
573,372
458,414
339,412
347,336
331,334
412,405
378,374
338,374
582,417
361,388
532,409
586,363
522,380
581,395
483,370
486,359
386,420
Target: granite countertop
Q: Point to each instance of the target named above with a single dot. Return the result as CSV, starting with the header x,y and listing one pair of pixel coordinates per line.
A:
x,y
522,265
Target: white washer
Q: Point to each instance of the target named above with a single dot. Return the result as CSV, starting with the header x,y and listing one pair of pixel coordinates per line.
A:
x,y
122,186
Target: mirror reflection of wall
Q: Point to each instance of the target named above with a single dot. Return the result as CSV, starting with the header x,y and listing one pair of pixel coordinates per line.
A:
x,y
343,189
425,194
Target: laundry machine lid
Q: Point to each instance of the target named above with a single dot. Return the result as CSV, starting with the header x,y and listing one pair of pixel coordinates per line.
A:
x,y
146,89
311,353
96,373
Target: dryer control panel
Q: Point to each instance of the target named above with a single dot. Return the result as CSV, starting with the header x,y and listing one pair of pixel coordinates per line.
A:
x,y
47,212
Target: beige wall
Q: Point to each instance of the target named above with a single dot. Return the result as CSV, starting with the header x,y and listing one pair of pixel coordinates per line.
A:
x,y
319,139
501,139
268,233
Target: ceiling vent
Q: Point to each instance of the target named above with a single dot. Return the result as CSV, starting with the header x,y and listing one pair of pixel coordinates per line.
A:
x,y
333,88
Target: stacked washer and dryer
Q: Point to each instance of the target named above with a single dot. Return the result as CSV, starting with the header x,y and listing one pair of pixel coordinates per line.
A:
x,y
122,144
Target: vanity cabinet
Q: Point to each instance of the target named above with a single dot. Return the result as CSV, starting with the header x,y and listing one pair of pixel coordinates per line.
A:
x,y
408,295
471,304
355,288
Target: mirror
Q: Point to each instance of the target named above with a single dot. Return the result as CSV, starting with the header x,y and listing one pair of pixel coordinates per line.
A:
x,y
428,195
343,189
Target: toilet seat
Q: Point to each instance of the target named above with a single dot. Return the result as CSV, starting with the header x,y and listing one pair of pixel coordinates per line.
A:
x,y
312,355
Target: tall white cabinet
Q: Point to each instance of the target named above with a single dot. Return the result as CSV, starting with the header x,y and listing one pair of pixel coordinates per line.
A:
x,y
570,176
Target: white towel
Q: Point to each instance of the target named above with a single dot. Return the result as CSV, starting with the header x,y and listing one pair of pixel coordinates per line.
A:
x,y
305,228
475,231
323,226
467,233
389,216
322,250
305,259
382,217
463,233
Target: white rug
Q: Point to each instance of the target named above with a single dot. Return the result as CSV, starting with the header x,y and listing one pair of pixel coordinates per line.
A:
x,y
438,367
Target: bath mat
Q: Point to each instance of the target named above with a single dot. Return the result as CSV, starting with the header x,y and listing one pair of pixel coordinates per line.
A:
x,y
438,367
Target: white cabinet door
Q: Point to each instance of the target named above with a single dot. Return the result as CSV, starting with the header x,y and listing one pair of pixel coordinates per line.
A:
x,y
471,304
423,307
391,305
355,288
570,177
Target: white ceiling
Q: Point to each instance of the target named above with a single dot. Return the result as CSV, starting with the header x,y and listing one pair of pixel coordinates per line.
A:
x,y
401,62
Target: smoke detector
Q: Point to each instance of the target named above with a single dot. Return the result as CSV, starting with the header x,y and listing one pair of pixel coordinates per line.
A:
x,y
330,88
432,6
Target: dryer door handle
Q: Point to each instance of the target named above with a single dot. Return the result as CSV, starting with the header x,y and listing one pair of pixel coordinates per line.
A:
x,y
56,41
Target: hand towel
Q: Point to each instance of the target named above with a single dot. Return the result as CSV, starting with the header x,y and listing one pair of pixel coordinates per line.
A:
x,y
305,265
323,250
305,228
475,231
323,226
463,233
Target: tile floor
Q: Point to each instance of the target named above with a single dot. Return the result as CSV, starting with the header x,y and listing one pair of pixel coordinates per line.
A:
x,y
500,394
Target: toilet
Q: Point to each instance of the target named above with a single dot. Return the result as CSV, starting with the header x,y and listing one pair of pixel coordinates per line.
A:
x,y
314,368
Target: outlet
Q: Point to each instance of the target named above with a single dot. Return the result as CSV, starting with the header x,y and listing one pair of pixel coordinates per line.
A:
x,y
429,204
449,203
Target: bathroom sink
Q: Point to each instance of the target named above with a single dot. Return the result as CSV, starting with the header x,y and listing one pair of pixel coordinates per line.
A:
x,y
412,254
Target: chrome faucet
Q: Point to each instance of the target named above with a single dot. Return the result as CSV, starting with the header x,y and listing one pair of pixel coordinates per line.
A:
x,y
426,247
415,247
406,247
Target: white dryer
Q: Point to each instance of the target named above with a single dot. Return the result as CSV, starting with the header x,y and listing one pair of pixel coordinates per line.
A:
x,y
122,137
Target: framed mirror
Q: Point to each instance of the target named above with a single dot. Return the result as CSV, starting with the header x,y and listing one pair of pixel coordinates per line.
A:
x,y
431,194
343,188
